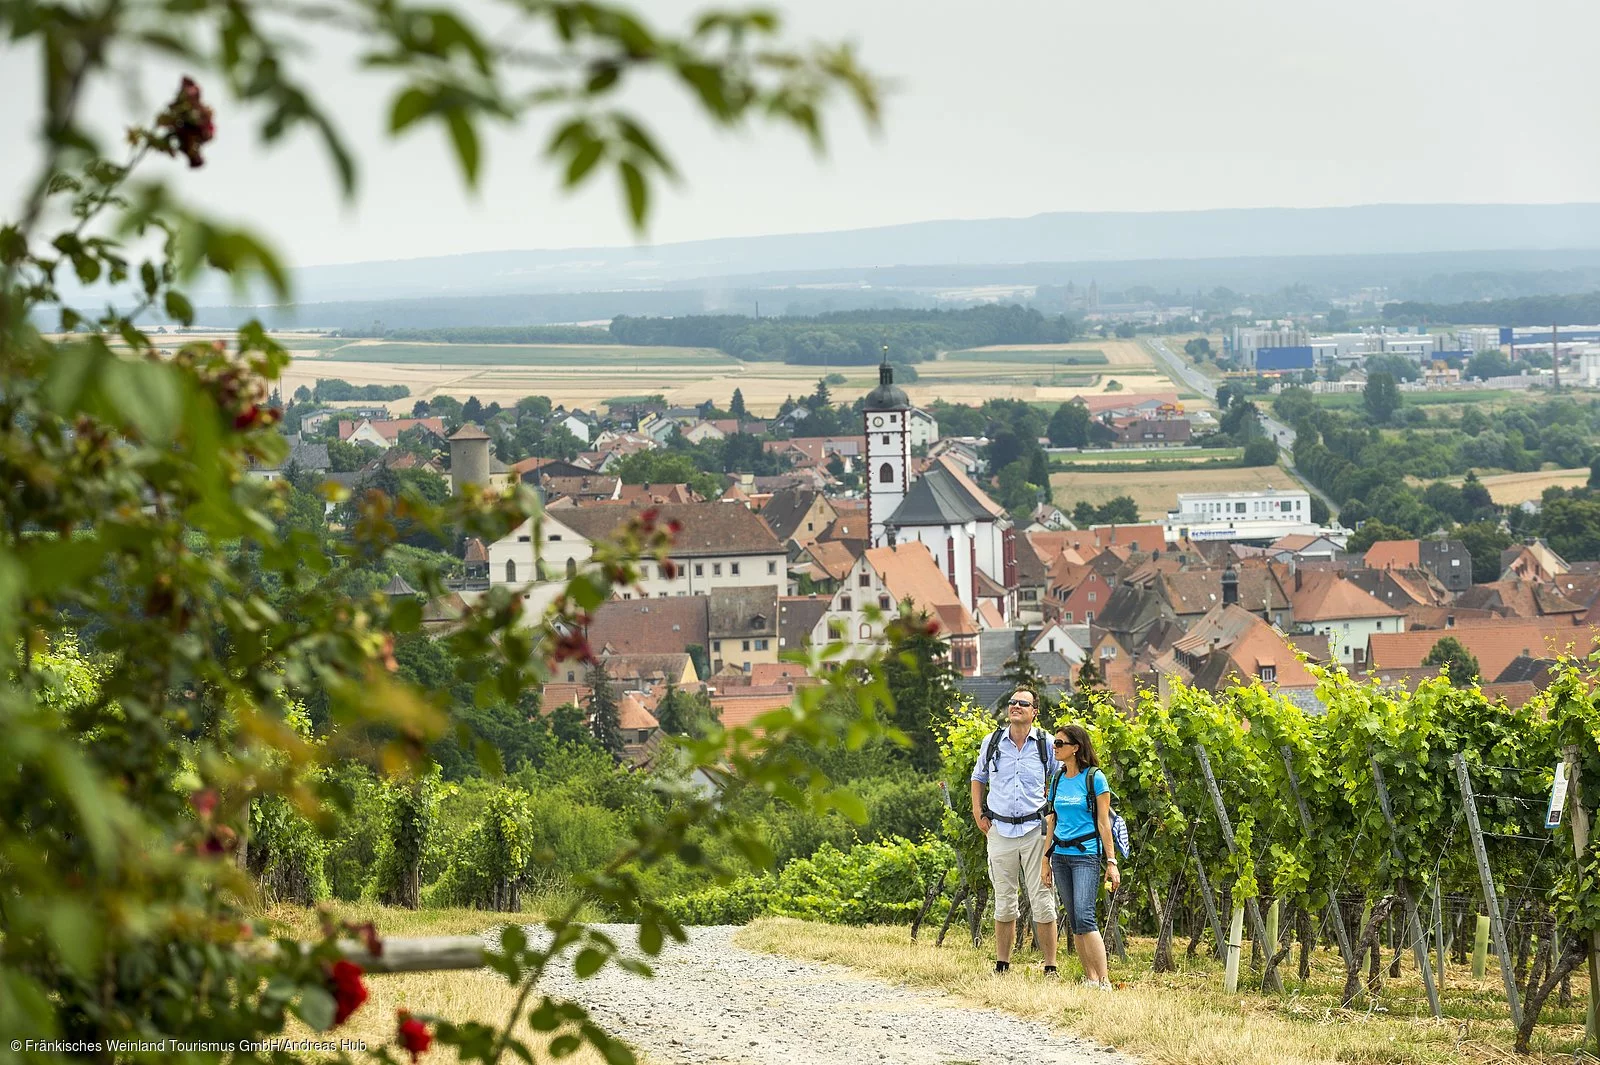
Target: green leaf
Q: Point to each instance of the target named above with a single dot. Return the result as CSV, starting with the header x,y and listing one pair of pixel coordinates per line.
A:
x,y
543,1017
146,395
465,138
584,161
564,1046
179,308
650,936
316,1007
409,106
638,194
588,962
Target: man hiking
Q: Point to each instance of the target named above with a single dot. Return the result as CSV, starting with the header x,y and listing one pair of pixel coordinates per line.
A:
x,y
1008,803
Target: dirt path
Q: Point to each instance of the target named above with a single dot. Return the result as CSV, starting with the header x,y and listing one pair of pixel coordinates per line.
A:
x,y
712,1002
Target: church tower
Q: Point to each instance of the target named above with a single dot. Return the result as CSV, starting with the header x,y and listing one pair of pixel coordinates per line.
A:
x,y
886,416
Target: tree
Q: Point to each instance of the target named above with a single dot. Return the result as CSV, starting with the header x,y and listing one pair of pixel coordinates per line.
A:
x,y
1262,451
1039,470
922,681
302,394
1381,397
1484,541
1487,364
123,479
1460,664
1594,471
1119,510
605,722
1069,426
1126,330
1197,348
472,411
1014,491
736,404
1372,532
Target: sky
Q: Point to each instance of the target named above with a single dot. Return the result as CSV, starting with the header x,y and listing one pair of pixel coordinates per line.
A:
x,y
1010,108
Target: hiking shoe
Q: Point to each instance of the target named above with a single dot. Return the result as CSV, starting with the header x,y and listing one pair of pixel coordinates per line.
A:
x,y
1106,985
1051,972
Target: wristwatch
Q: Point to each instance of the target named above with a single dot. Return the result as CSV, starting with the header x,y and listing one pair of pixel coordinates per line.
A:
x,y
1111,861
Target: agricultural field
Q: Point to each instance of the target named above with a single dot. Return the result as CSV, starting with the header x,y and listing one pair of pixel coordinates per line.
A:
x,y
587,376
1101,457
1509,489
1045,359
1156,492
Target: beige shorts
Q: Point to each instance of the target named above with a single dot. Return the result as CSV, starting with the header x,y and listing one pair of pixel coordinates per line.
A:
x,y
1014,866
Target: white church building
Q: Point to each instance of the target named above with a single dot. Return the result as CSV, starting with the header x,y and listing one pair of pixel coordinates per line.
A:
x,y
968,534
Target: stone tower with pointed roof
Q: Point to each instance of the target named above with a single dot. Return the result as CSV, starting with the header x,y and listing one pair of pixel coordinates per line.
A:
x,y
886,421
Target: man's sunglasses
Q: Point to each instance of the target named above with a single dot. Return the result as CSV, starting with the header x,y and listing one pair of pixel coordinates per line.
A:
x,y
1019,702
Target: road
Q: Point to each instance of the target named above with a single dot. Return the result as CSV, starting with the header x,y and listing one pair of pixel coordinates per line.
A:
x,y
713,1003
1181,370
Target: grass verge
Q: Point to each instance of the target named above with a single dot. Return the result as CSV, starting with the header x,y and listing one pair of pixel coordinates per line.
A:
x,y
1184,1018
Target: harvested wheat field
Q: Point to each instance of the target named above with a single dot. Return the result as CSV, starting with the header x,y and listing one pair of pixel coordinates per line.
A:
x,y
1156,492
1508,489
1117,352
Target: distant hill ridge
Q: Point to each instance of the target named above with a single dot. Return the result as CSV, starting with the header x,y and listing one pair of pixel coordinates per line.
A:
x,y
1054,237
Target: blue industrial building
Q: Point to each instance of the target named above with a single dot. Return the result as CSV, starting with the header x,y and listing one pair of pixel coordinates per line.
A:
x,y
1278,360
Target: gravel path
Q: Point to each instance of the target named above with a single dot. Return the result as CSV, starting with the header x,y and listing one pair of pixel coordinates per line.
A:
x,y
713,1002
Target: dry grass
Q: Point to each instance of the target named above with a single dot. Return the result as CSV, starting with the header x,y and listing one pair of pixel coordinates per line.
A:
x,y
1156,492
1510,488
1119,353
1184,1018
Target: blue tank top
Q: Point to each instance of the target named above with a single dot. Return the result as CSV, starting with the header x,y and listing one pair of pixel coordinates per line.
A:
x,y
1073,816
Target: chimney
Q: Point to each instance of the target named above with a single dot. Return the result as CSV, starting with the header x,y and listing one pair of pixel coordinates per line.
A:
x,y
1299,580
1230,586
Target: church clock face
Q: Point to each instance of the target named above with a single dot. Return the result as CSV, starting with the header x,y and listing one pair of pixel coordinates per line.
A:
x,y
878,420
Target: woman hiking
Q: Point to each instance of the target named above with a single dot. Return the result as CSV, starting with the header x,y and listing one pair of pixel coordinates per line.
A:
x,y
1080,835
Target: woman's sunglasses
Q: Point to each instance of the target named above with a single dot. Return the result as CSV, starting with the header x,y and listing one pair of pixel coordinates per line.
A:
x,y
1066,743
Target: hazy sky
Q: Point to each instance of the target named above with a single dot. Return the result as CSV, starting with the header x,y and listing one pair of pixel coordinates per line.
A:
x,y
1004,108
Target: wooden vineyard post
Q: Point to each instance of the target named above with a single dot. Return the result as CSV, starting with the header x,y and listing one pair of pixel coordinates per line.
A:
x,y
1199,867
1438,934
1580,844
1480,948
1419,938
1258,930
1490,898
965,889
1335,916
956,903
934,891
1274,913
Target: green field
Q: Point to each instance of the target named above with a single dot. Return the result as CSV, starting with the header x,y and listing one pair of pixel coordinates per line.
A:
x,y
537,355
1016,375
1031,358
1352,400
1134,455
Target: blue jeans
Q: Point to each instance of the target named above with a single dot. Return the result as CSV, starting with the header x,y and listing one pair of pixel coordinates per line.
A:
x,y
1077,878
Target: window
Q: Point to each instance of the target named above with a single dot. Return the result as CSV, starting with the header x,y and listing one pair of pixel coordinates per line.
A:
x,y
716,569
1088,617
866,631
553,537
716,645
762,645
699,569
808,526
772,568
844,603
1067,617
1108,650
1094,596
886,474
644,735
865,580
1052,643
511,571
528,539
746,646
572,568
885,438
1269,674
883,602
733,569
1455,563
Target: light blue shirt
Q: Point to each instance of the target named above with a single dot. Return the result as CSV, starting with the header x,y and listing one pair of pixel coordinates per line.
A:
x,y
1018,782
1073,816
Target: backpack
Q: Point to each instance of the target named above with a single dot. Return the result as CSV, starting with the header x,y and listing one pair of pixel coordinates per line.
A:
x,y
1119,828
991,760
